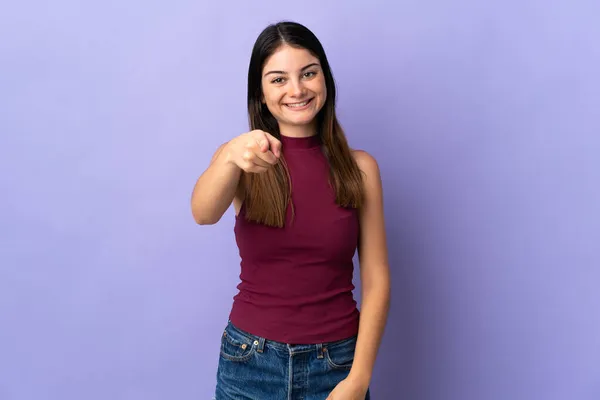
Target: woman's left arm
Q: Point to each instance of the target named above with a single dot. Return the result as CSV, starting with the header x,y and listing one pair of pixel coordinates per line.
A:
x,y
375,282
374,271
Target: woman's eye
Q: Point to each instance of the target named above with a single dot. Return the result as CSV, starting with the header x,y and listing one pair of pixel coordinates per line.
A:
x,y
277,80
309,74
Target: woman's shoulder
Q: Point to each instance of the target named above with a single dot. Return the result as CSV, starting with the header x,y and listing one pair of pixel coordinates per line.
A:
x,y
366,162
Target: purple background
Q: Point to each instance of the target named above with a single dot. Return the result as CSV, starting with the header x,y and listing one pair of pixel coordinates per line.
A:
x,y
484,117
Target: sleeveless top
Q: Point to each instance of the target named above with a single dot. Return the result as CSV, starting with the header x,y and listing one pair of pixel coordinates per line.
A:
x,y
296,281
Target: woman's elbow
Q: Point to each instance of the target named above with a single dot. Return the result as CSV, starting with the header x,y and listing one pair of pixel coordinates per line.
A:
x,y
203,219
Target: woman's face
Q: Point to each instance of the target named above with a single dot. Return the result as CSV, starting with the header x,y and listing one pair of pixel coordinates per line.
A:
x,y
293,86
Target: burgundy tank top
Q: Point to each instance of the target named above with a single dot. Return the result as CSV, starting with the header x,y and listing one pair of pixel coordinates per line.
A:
x,y
296,282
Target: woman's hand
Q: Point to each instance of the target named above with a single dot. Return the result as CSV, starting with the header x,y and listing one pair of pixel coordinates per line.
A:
x,y
255,151
349,389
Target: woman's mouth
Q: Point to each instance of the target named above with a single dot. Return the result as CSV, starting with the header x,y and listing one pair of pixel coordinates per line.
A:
x,y
303,105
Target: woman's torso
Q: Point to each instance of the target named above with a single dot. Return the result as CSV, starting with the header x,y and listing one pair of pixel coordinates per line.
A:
x,y
296,282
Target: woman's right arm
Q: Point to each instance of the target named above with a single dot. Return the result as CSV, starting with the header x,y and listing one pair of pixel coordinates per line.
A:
x,y
215,189
252,152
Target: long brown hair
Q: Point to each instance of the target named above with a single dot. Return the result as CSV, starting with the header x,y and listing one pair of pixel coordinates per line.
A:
x,y
267,195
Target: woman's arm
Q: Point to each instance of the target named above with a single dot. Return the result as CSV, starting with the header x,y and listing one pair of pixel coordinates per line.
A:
x,y
215,189
374,272
252,152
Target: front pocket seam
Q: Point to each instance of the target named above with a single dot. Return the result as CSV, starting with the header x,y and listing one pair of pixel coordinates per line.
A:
x,y
234,342
238,358
334,365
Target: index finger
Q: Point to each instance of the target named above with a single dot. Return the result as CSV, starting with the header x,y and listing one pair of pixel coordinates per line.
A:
x,y
274,144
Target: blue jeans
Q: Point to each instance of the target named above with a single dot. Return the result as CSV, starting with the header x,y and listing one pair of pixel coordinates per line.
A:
x,y
252,368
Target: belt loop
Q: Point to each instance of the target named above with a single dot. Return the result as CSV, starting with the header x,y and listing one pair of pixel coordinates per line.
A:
x,y
260,344
319,350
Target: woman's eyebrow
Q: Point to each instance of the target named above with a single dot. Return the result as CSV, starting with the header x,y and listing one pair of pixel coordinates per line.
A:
x,y
285,73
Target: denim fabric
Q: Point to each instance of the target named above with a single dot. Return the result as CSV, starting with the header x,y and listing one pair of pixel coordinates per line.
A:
x,y
252,368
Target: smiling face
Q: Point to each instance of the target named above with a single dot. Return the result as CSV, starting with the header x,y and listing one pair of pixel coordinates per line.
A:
x,y
294,89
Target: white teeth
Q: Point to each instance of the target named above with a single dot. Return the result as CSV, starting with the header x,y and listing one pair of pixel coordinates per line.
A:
x,y
298,104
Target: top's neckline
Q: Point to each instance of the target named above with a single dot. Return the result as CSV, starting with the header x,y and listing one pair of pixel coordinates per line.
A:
x,y
308,142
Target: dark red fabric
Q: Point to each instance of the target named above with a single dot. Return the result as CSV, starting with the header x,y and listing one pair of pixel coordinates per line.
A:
x,y
296,282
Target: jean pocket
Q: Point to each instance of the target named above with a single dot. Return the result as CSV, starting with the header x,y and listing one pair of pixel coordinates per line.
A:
x,y
340,355
236,347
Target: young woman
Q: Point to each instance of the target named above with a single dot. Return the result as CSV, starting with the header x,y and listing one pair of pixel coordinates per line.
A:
x,y
304,203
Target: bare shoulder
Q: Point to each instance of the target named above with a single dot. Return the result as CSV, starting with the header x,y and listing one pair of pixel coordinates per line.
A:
x,y
367,164
218,152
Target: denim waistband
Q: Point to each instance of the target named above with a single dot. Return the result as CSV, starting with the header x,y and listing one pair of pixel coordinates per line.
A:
x,y
286,347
